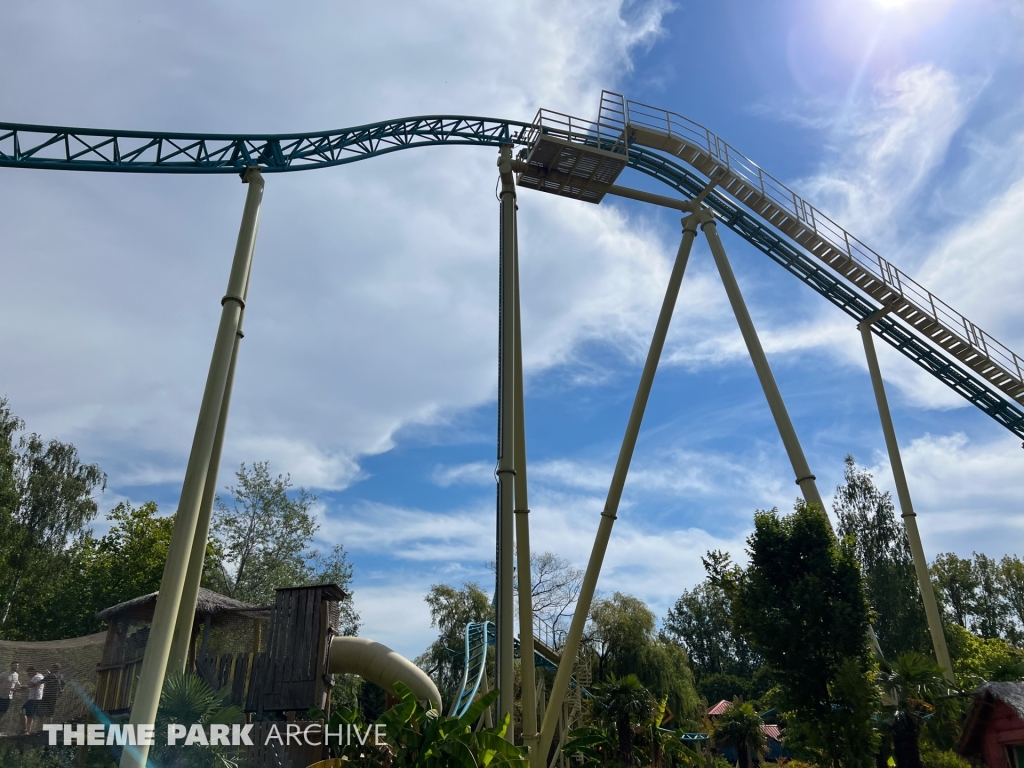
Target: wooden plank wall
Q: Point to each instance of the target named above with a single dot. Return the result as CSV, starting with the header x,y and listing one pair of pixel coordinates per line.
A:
x,y
293,679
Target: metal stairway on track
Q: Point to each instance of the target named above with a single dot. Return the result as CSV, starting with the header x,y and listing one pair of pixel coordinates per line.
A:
x,y
817,234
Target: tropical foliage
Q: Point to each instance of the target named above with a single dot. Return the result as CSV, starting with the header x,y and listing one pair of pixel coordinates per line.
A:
x,y
188,700
422,738
739,729
626,730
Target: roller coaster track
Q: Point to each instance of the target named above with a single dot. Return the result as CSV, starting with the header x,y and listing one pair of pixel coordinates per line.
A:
x,y
479,635
753,204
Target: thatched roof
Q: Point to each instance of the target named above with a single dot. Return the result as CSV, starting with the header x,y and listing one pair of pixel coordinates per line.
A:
x,y
1008,693
209,603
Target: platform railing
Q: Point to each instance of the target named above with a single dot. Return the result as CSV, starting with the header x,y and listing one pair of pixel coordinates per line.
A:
x,y
596,134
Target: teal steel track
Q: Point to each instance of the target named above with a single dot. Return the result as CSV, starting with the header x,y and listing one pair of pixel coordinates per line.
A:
x,y
82,149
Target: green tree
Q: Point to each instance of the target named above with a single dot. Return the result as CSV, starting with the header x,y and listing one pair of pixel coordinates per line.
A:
x,y
801,604
976,594
622,629
451,610
991,611
1011,579
882,547
46,502
722,661
739,728
265,539
955,584
977,660
129,560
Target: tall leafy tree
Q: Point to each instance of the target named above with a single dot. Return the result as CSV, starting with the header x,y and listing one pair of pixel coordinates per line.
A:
x,y
451,609
801,603
266,539
869,517
701,621
991,610
622,630
955,584
1011,578
46,502
980,594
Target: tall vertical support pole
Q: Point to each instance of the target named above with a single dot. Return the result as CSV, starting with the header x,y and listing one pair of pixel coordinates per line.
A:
x,y
522,520
931,608
611,505
506,444
165,614
804,478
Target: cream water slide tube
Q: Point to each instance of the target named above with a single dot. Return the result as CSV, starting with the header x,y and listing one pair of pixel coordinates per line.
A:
x,y
379,664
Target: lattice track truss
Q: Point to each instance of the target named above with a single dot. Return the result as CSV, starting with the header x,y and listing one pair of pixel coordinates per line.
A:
x,y
86,149
59,148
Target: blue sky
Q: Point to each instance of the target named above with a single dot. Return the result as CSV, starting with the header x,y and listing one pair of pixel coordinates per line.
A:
x,y
368,369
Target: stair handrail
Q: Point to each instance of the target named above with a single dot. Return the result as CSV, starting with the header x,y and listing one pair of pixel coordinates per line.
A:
x,y
675,125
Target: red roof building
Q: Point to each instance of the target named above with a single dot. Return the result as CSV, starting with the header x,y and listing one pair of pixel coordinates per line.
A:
x,y
771,730
719,708
994,729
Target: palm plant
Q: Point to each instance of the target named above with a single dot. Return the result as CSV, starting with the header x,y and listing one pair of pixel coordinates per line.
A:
x,y
739,727
187,699
913,683
624,704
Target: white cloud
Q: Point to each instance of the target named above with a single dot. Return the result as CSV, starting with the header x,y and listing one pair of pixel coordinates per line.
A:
x,y
475,473
963,491
372,304
883,157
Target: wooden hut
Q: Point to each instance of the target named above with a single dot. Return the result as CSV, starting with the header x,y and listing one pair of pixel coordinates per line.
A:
x,y
271,660
994,728
128,631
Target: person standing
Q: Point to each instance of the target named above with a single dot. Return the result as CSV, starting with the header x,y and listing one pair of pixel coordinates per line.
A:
x,y
34,700
8,685
53,686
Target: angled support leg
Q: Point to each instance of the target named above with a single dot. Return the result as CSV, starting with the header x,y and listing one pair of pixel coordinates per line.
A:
x,y
165,614
197,558
611,507
804,478
924,581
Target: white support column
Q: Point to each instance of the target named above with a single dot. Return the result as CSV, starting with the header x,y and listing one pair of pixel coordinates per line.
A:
x,y
804,478
924,582
604,531
158,647
505,594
